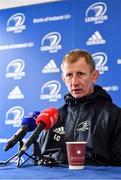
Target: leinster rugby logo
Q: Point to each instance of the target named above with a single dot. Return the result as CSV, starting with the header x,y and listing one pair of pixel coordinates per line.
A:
x,y
50,91
16,23
14,116
96,13
51,42
100,59
83,126
15,69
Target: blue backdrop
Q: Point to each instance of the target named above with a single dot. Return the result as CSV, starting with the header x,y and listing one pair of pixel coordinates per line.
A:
x,y
33,41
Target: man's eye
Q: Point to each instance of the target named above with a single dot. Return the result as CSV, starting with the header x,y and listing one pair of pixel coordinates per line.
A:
x,y
69,75
80,74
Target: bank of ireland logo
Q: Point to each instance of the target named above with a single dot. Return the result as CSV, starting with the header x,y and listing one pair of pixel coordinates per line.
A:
x,y
100,59
96,13
14,116
15,69
111,88
16,23
51,42
118,61
50,91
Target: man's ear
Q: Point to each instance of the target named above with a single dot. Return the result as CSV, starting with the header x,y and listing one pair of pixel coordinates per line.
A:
x,y
95,75
62,76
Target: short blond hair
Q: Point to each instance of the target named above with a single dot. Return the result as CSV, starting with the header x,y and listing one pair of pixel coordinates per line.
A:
x,y
74,55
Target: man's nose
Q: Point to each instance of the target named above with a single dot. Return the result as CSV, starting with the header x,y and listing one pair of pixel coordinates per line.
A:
x,y
75,80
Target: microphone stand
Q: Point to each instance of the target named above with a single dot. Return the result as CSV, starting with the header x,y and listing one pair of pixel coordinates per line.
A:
x,y
36,156
19,161
8,162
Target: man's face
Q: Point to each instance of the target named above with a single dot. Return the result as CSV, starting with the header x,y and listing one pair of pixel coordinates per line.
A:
x,y
78,78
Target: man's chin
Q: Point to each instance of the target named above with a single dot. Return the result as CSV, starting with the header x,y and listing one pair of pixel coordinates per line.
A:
x,y
77,96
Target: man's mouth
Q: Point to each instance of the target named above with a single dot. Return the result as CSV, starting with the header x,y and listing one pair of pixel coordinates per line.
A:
x,y
76,91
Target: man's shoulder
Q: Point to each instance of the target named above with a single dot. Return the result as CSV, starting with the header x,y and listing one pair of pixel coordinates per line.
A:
x,y
63,107
62,111
113,108
113,105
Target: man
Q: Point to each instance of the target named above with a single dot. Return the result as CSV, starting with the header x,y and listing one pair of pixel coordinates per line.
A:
x,y
87,115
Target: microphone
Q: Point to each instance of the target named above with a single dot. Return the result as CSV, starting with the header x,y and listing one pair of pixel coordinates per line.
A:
x,y
45,120
28,124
